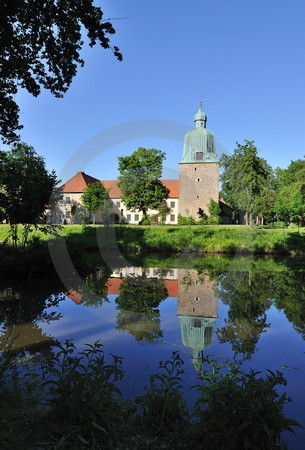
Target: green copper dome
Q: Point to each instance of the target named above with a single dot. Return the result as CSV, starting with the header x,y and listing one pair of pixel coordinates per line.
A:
x,y
197,332
200,115
199,143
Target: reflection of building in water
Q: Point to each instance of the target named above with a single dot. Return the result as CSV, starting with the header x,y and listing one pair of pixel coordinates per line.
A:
x,y
114,282
197,312
153,272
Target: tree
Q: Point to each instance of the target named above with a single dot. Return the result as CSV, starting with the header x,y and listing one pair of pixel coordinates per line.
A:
x,y
95,197
139,180
40,45
138,303
244,179
248,296
25,187
214,210
290,195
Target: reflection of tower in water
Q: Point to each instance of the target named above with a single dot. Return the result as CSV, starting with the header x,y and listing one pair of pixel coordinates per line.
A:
x,y
197,312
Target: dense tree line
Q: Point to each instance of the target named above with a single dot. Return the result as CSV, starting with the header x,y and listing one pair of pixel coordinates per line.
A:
x,y
250,185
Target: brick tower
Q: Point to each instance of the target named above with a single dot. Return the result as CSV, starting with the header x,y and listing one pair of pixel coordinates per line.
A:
x,y
199,170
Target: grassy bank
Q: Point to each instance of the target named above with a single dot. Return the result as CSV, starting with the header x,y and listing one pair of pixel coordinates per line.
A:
x,y
211,239
198,239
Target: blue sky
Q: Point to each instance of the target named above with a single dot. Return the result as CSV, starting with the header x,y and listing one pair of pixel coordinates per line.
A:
x,y
245,57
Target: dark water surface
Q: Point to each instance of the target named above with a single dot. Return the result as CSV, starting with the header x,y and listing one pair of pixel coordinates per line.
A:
x,y
247,308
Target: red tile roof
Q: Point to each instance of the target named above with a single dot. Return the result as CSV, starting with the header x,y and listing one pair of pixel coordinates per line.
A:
x,y
115,283
78,183
81,180
115,191
173,186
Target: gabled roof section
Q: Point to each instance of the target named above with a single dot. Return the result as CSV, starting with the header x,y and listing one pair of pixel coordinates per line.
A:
x,y
115,191
173,186
81,180
78,183
112,186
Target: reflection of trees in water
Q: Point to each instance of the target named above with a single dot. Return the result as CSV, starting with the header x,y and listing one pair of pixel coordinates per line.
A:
x,y
248,296
138,302
95,289
17,308
289,295
144,327
21,308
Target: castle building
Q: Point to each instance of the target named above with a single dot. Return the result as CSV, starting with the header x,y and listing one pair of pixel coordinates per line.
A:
x,y
189,196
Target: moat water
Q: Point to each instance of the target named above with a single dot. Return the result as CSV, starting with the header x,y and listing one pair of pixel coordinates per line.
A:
x,y
251,309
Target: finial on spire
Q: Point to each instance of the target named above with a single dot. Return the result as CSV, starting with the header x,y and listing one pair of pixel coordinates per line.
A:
x,y
201,99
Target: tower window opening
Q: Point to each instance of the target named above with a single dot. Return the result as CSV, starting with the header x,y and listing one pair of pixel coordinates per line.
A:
x,y
198,179
199,156
195,169
197,196
197,323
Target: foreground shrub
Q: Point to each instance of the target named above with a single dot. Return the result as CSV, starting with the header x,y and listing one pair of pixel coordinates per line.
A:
x,y
74,402
238,410
163,406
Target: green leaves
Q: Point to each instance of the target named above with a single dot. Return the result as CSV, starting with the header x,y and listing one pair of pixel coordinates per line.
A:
x,y
25,185
244,178
95,197
238,409
40,47
290,198
139,180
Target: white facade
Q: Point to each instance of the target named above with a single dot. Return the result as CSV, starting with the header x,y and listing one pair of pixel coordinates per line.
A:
x,y
69,210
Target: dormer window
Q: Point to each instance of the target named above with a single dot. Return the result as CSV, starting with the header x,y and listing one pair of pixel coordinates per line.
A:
x,y
199,156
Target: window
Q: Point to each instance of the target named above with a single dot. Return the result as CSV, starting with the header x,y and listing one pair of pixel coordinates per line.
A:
x,y
68,214
68,200
128,217
61,202
172,217
171,273
198,179
156,272
199,156
122,211
195,169
197,196
197,323
208,333
172,204
197,299
118,204
147,272
136,217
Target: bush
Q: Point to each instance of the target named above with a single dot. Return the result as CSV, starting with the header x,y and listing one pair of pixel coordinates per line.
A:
x,y
186,220
74,402
238,410
144,221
